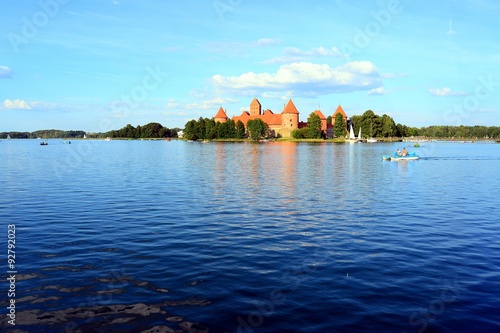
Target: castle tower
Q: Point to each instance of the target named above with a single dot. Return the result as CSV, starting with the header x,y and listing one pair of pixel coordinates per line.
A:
x,y
290,118
323,120
255,108
221,116
341,111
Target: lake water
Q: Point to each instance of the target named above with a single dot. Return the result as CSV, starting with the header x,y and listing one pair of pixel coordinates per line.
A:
x,y
155,236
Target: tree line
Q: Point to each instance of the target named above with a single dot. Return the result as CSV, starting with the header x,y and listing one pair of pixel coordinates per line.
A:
x,y
384,126
209,129
461,132
373,125
148,131
312,130
151,130
44,134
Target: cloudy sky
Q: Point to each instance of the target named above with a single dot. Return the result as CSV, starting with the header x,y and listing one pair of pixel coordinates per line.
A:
x,y
99,65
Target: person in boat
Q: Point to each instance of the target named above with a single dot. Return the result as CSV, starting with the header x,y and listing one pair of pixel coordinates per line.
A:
x,y
404,152
398,152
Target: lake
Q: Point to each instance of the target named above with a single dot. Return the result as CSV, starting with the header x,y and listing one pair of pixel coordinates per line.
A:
x,y
156,236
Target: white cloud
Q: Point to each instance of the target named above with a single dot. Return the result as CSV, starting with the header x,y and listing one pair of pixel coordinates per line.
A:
x,y
5,72
172,103
378,91
17,104
283,60
211,104
305,79
445,91
263,42
317,51
293,54
241,48
392,75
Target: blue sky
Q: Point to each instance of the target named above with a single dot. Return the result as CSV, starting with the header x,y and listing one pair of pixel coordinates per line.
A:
x,y
99,65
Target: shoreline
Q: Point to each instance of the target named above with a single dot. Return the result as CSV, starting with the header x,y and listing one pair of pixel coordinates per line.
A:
x,y
334,140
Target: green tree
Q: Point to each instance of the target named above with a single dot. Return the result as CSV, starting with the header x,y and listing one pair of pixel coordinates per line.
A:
x,y
388,127
257,128
152,130
230,129
339,129
200,129
240,130
329,120
297,134
190,130
314,126
210,129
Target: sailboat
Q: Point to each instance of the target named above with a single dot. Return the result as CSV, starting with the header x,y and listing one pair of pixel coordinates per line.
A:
x,y
359,134
352,137
8,137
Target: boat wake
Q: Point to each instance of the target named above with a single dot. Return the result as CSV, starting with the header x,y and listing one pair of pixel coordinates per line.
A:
x,y
462,158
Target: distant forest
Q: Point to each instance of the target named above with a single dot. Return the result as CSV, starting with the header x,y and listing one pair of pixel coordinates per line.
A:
x,y
377,126
372,125
151,130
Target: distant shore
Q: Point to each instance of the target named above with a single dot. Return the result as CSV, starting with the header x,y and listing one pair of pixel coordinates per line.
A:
x,y
334,140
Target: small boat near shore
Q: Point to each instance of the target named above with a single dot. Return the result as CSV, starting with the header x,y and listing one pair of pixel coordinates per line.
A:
x,y
396,157
352,138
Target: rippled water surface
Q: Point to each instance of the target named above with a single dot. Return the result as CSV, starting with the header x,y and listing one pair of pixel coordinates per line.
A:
x,y
154,236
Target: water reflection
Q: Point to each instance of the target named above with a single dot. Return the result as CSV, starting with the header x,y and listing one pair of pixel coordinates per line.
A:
x,y
288,178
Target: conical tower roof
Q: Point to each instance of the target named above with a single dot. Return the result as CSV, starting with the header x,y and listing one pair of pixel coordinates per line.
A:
x,y
320,114
290,108
341,111
221,113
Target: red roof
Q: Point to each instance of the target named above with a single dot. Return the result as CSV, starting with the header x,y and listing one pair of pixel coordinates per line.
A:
x,y
271,119
268,117
320,114
290,108
341,111
221,113
255,102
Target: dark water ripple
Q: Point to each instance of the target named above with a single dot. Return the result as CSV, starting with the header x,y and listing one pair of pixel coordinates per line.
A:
x,y
240,237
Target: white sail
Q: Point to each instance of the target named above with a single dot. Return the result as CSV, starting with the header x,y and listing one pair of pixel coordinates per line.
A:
x,y
359,134
8,137
351,133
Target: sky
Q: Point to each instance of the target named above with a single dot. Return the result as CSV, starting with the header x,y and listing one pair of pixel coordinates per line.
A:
x,y
100,65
